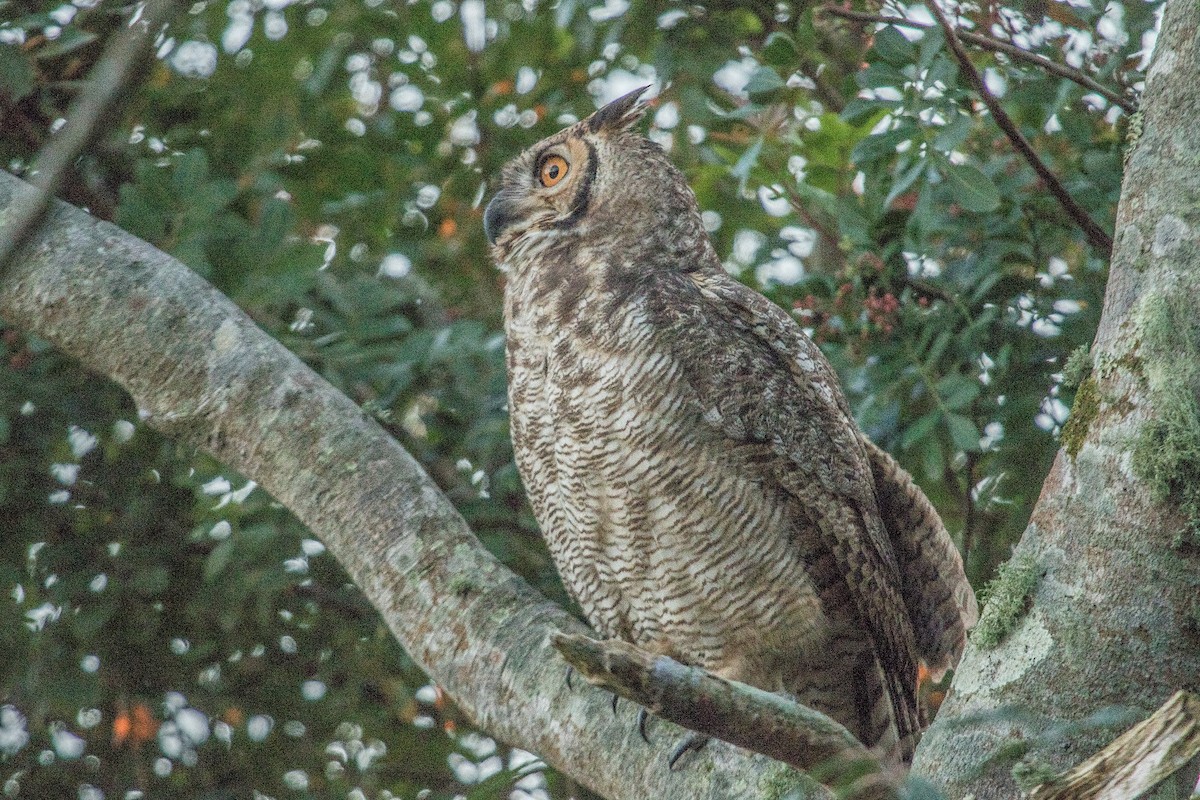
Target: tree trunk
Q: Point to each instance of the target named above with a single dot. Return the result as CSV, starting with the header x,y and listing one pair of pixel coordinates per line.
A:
x,y
1098,619
203,374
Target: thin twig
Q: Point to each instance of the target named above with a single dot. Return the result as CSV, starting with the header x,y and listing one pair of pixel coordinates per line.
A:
x,y
1095,234
997,46
94,110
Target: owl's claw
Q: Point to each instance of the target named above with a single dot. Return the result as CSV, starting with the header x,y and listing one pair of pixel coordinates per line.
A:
x,y
692,741
570,673
614,703
642,718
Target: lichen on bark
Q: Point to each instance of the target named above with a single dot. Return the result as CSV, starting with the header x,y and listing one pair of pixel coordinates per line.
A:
x,y
1083,411
1077,367
1006,599
1166,454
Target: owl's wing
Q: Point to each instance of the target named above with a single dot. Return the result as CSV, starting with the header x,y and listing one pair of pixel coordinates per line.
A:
x,y
760,379
940,602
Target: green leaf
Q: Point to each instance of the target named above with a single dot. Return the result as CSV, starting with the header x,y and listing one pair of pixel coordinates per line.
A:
x,y
971,189
933,460
944,69
939,347
779,50
957,391
881,145
953,133
16,73
744,111
218,560
152,580
764,81
860,108
963,432
191,171
908,176
878,76
919,429
274,224
893,48
932,43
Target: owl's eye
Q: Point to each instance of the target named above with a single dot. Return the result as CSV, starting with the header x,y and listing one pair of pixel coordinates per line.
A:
x,y
553,170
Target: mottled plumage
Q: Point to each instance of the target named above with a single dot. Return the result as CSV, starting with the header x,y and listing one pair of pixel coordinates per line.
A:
x,y
690,457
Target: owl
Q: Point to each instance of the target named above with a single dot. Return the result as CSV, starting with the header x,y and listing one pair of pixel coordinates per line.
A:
x,y
689,455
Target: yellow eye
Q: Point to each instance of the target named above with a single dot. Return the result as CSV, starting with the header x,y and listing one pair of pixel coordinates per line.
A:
x,y
553,170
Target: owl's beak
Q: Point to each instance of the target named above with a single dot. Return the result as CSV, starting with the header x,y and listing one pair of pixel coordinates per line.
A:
x,y
498,215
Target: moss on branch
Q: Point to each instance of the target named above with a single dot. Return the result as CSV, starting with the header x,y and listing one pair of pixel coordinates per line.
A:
x,y
1083,412
1006,599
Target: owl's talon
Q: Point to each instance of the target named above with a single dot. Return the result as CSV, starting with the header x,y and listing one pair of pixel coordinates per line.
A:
x,y
642,718
570,673
692,741
614,703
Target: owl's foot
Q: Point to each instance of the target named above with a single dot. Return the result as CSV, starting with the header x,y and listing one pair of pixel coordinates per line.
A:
x,y
643,717
692,741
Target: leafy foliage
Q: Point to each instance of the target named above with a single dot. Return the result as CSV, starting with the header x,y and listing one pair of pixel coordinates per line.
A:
x,y
171,630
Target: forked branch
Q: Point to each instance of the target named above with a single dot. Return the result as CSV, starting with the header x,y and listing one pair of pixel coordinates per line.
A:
x,y
996,46
1095,234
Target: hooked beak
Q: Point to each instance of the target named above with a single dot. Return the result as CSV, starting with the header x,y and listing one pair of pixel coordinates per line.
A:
x,y
498,215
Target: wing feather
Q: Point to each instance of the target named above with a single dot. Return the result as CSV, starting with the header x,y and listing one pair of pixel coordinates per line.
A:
x,y
760,379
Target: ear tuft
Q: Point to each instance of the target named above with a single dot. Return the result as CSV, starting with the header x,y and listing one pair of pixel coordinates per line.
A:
x,y
620,114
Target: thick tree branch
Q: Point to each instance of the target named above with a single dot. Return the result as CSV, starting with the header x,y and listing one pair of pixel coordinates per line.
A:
x,y
96,108
1110,618
202,373
1095,234
701,701
996,46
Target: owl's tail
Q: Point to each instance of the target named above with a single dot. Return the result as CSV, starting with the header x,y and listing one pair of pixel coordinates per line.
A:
x,y
935,588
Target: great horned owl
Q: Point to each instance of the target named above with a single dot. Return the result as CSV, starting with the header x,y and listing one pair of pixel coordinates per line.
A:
x,y
702,486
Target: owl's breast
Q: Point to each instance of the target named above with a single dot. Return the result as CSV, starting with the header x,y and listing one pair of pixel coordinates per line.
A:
x,y
660,527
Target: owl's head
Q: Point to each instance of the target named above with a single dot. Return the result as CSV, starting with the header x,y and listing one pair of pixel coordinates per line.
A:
x,y
597,180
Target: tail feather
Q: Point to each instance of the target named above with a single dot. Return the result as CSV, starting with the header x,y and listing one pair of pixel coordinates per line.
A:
x,y
939,599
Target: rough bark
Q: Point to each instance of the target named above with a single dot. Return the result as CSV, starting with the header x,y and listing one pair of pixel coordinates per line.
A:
x,y
203,374
1110,629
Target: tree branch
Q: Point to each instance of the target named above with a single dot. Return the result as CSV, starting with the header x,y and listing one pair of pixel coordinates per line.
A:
x,y
1095,234
996,46
731,711
1138,760
94,110
202,373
